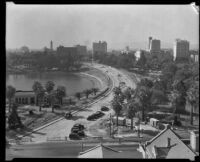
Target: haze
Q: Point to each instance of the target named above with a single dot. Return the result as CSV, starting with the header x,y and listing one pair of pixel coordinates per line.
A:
x,y
119,25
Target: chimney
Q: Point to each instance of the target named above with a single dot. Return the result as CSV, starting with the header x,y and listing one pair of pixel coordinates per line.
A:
x,y
194,140
168,142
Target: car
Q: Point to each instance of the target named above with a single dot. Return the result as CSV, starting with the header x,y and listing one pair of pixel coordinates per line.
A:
x,y
74,130
74,136
81,133
96,115
104,108
56,106
68,115
79,126
91,117
99,114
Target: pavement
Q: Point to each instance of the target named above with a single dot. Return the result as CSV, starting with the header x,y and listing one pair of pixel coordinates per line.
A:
x,y
62,127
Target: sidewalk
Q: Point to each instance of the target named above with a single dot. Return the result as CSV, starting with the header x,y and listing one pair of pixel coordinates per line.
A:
x,y
74,112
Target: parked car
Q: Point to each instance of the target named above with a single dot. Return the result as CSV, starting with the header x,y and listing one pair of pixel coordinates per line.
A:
x,y
91,117
79,126
74,136
81,133
104,108
96,115
99,114
74,130
68,115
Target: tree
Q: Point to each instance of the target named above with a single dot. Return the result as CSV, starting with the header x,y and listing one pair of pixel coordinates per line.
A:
x,y
78,95
117,91
49,86
144,95
52,96
180,88
142,60
10,93
13,119
128,93
131,110
117,107
39,92
87,92
95,90
158,97
146,82
61,92
193,99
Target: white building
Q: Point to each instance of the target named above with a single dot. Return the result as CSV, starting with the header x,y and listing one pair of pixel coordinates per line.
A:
x,y
181,49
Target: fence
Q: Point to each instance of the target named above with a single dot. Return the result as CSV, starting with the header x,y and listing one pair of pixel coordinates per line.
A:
x,y
20,140
56,139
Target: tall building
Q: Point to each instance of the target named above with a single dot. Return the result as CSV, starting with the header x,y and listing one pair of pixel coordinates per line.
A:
x,y
150,38
154,46
181,49
51,45
100,47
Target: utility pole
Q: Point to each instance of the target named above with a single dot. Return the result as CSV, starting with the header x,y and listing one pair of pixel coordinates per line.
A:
x,y
110,126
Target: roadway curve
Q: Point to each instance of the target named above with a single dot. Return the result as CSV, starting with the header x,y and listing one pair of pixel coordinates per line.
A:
x,y
62,128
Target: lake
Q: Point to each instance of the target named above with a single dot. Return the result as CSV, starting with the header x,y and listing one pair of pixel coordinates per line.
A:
x,y
73,82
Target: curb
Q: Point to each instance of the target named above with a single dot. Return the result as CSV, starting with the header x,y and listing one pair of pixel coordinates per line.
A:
x,y
52,122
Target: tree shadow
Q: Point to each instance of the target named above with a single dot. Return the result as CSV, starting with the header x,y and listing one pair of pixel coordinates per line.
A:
x,y
29,131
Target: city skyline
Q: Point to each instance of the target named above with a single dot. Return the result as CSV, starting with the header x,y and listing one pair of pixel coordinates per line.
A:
x,y
118,25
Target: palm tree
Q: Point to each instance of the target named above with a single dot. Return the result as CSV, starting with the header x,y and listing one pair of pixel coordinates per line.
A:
x,y
132,107
61,92
95,90
117,107
49,86
144,96
128,93
78,95
39,92
192,98
10,93
52,96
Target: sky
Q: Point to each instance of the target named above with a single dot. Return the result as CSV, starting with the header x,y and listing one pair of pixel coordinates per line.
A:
x,y
119,25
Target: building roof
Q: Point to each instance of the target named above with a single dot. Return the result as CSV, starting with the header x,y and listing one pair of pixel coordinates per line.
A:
x,y
177,148
99,151
24,93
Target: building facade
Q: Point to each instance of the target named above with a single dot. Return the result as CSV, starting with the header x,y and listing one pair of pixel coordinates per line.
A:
x,y
27,98
167,145
100,47
194,54
181,49
154,46
82,50
64,51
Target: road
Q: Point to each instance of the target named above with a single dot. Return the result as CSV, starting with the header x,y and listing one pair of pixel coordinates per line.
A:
x,y
62,128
